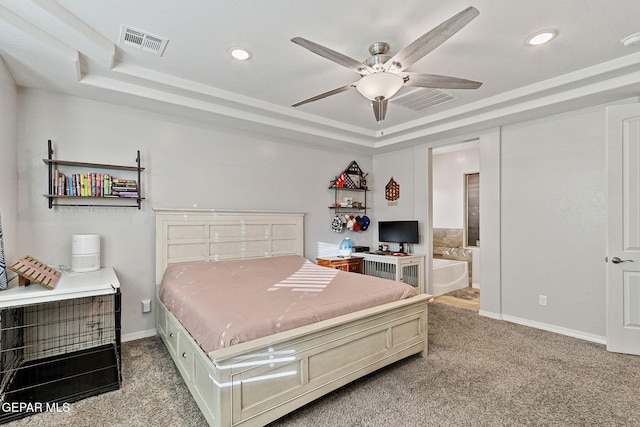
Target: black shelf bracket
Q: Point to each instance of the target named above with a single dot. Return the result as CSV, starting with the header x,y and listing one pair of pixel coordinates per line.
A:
x,y
50,156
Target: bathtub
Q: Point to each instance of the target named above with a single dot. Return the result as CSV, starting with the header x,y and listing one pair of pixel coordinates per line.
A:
x,y
448,275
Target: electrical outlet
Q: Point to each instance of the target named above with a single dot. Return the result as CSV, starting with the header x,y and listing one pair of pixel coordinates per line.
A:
x,y
542,300
146,305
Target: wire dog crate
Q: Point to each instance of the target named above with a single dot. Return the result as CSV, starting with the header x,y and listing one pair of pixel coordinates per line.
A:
x,y
58,352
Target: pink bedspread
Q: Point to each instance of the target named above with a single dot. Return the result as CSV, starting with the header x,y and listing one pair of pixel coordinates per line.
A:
x,y
229,302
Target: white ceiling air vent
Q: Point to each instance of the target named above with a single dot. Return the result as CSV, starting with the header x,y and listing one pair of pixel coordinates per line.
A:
x,y
422,98
142,40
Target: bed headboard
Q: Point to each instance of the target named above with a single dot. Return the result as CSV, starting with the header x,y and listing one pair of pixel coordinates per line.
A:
x,y
189,235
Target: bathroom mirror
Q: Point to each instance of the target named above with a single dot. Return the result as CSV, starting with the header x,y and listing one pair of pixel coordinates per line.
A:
x,y
472,209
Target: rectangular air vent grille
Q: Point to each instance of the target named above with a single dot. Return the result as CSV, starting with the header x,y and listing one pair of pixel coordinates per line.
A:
x,y
422,98
142,40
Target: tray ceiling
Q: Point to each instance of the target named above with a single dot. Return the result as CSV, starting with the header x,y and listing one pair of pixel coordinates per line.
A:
x,y
75,47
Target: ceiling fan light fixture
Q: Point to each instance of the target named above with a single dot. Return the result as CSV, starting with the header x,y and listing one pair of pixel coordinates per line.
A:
x,y
382,75
240,53
541,37
378,86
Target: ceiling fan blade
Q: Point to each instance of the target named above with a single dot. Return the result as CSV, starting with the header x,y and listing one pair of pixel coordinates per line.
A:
x,y
431,40
440,82
324,95
334,56
380,109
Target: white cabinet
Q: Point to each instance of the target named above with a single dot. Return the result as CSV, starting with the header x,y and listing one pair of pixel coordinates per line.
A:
x,y
408,268
70,286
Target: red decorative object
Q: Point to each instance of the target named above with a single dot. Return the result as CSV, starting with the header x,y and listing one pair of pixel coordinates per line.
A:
x,y
342,179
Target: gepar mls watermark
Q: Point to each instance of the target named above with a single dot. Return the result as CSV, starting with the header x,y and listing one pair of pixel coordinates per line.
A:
x,y
34,407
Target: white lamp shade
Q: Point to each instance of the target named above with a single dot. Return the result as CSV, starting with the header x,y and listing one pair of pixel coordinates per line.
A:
x,y
379,85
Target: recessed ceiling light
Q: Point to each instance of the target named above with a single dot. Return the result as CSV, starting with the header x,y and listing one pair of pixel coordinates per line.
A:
x,y
541,37
631,39
240,53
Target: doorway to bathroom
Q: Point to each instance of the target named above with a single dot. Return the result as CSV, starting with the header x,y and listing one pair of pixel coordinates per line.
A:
x,y
455,185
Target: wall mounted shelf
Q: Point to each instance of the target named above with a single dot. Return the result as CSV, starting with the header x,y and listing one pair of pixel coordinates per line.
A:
x,y
338,208
119,198
352,179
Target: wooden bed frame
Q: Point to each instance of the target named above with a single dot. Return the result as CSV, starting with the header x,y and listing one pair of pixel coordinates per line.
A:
x,y
256,382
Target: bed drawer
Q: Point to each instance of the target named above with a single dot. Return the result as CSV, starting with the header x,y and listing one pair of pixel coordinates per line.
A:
x,y
185,355
172,334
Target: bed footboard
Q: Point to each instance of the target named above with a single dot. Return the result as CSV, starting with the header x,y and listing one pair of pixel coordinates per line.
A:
x,y
256,382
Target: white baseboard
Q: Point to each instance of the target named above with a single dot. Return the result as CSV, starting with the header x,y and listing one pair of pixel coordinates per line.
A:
x,y
139,335
490,314
556,329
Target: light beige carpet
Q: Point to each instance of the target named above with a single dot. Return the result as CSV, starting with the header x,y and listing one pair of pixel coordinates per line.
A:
x,y
479,372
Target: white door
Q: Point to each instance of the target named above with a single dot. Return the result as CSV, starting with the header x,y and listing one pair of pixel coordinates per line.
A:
x,y
623,240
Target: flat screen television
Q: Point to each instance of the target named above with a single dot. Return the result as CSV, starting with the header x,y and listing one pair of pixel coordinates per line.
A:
x,y
398,231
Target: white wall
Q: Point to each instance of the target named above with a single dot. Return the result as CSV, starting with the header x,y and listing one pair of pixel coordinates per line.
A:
x,y
188,164
449,169
550,182
553,220
490,224
8,164
543,218
411,169
408,168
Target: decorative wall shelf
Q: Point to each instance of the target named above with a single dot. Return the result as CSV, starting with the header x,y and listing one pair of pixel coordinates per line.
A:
x,y
352,179
356,205
126,193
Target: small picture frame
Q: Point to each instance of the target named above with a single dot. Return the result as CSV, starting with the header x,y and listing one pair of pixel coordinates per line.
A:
x,y
355,178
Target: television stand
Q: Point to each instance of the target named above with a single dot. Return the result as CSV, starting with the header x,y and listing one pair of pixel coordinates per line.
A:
x,y
401,268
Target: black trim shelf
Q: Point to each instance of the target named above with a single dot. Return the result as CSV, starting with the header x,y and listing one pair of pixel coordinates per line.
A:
x,y
108,201
336,206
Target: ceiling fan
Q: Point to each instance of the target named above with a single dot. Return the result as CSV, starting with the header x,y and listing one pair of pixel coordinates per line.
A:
x,y
382,75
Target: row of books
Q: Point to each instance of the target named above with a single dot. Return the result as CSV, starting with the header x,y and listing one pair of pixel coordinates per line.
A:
x,y
93,184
